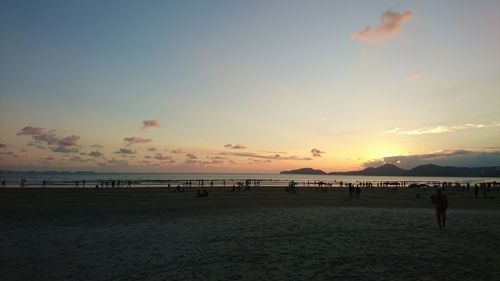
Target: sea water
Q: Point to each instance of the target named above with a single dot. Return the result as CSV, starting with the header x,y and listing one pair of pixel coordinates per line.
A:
x,y
65,179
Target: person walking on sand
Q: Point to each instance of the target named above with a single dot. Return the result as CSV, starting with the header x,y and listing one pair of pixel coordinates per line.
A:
x,y
441,204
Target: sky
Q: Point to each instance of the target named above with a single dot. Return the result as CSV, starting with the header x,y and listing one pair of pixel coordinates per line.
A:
x,y
248,86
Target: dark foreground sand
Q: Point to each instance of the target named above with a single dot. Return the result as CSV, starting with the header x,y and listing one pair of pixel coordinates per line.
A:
x,y
265,234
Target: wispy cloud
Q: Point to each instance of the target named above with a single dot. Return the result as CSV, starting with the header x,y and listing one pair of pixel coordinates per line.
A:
x,y
390,24
96,146
136,140
415,75
3,145
439,129
177,150
151,149
316,152
459,158
262,156
150,124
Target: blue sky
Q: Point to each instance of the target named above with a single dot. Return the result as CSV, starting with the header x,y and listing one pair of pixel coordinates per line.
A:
x,y
274,76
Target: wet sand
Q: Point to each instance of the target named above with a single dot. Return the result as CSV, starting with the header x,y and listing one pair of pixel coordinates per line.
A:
x,y
261,234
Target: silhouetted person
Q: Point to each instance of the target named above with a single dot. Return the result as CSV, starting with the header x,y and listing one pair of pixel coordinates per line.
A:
x,y
351,189
44,182
83,183
358,192
3,182
476,190
441,204
76,184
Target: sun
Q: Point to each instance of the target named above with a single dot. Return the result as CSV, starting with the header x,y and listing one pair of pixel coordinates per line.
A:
x,y
382,151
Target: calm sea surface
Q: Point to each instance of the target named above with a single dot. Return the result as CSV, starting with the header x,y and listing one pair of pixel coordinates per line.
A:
x,y
157,179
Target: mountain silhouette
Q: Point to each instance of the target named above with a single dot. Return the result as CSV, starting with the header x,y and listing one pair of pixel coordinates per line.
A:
x,y
427,170
385,170
305,171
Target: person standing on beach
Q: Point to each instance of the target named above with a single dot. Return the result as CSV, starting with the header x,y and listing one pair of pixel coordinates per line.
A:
x,y
351,189
441,204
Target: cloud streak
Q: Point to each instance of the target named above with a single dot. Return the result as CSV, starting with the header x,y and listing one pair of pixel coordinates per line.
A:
x,y
236,146
390,25
136,140
64,149
261,156
439,129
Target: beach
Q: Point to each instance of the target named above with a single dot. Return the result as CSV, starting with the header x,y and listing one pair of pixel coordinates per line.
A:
x,y
260,234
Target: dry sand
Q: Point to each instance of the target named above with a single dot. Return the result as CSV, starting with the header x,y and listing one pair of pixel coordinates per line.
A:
x,y
264,234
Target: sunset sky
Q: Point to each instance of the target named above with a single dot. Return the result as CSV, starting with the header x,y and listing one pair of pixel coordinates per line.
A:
x,y
248,86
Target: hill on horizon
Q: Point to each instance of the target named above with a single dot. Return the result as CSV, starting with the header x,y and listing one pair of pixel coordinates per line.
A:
x,y
426,170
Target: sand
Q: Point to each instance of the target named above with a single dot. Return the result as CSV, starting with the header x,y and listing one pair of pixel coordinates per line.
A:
x,y
264,234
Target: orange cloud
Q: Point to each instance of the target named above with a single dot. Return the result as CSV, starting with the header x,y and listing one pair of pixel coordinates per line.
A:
x,y
390,25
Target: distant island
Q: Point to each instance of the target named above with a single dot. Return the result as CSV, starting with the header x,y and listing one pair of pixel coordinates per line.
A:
x,y
428,170
305,171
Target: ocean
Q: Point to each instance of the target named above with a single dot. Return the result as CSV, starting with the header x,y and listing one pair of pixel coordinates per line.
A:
x,y
68,179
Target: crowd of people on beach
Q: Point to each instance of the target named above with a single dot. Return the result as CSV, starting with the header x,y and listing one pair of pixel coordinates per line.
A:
x,y
354,188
